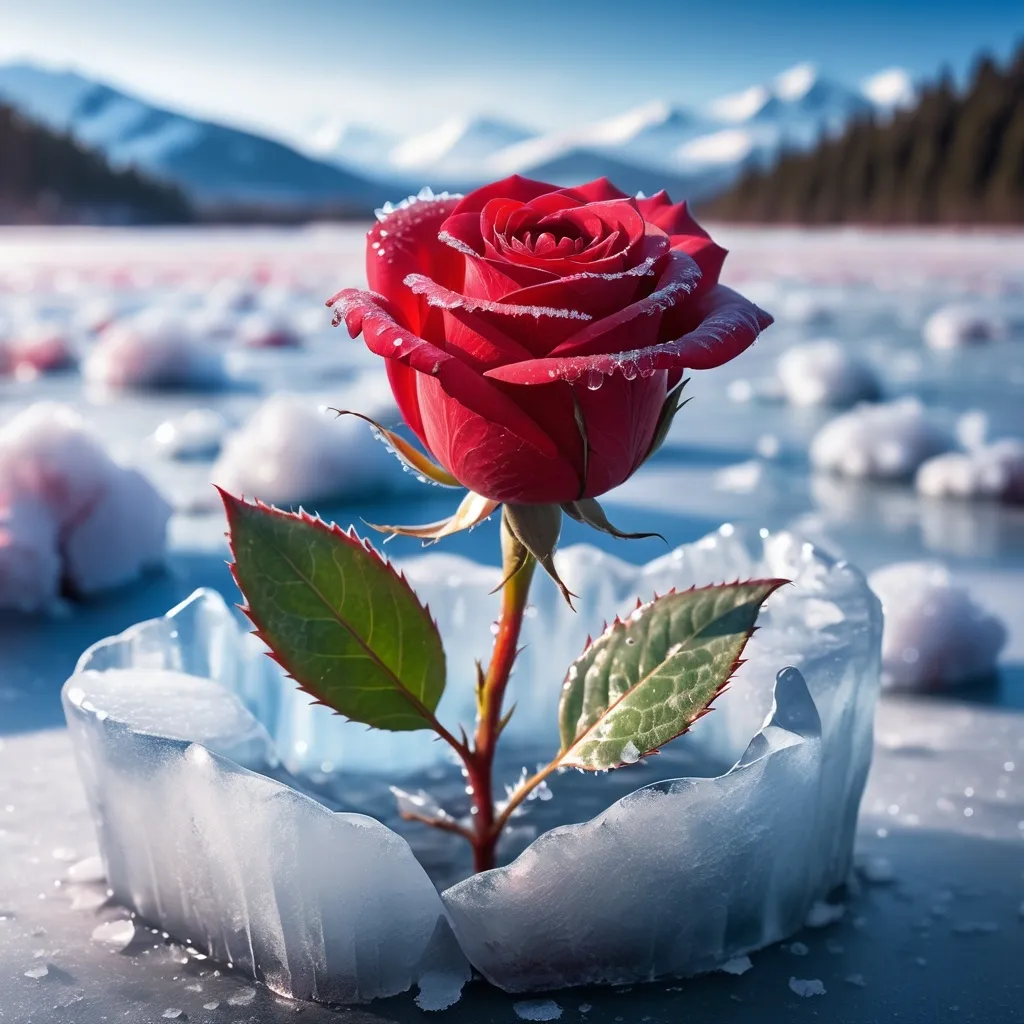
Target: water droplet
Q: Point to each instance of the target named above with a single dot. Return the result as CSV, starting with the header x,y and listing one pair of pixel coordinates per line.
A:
x,y
594,379
629,370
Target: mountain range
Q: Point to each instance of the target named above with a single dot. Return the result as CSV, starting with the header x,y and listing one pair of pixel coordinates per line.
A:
x,y
354,167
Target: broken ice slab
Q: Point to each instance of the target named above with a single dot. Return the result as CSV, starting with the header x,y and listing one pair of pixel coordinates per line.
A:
x,y
743,857
675,878
319,905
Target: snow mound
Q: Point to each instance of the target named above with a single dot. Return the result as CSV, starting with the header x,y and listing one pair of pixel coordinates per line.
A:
x,y
888,441
154,350
935,634
196,434
267,330
290,451
39,348
994,471
70,517
959,326
825,373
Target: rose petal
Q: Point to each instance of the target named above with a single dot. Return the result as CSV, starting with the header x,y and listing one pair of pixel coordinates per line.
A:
x,y
385,337
637,325
686,234
406,242
487,331
599,190
514,187
725,323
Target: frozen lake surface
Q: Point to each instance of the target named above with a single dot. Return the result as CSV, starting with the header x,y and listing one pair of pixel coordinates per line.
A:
x,y
738,453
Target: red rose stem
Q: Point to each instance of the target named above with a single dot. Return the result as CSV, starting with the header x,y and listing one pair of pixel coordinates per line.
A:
x,y
480,762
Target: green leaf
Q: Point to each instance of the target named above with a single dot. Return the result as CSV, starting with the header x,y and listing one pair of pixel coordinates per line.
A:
x,y
674,401
647,679
341,621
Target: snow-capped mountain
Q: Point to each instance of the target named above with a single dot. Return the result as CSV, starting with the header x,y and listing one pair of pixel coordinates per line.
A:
x,y
891,89
351,145
457,148
212,162
656,145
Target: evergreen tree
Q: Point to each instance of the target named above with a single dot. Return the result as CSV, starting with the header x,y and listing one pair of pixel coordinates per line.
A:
x,y
47,177
953,158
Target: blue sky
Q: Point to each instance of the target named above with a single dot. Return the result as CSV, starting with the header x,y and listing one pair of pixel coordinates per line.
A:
x,y
286,66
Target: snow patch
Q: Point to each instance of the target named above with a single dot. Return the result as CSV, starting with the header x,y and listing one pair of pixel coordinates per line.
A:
x,y
825,373
155,349
888,441
807,987
537,1009
935,634
960,326
195,434
993,471
69,515
292,450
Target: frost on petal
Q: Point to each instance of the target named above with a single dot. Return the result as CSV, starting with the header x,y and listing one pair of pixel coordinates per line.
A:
x,y
729,325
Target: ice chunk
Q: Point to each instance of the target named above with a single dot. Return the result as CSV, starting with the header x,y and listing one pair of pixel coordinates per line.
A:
x,y
549,889
439,990
822,914
174,705
155,349
888,441
800,765
737,965
36,973
957,326
319,905
807,987
994,471
290,451
196,434
825,373
68,513
116,934
935,635
537,1009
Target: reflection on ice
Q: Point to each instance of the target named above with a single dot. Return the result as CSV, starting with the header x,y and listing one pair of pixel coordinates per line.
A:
x,y
334,906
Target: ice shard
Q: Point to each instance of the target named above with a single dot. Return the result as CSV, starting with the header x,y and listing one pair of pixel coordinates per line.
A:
x,y
667,868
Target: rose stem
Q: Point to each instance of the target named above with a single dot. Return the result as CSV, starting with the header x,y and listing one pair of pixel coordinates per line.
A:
x,y
480,761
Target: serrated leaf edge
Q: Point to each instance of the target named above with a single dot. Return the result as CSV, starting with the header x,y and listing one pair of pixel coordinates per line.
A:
x,y
350,537
642,606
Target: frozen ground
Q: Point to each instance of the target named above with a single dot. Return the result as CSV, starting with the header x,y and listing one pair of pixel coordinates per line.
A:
x,y
744,462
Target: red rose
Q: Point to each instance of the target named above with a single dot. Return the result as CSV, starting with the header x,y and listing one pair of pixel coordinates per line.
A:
x,y
531,333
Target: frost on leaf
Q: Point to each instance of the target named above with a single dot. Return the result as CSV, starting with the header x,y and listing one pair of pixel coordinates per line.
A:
x,y
647,679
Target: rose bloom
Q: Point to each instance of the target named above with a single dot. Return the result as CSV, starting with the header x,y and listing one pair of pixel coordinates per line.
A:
x,y
532,333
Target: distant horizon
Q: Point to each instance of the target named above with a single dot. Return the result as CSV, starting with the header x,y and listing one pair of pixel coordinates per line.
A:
x,y
305,143
545,64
